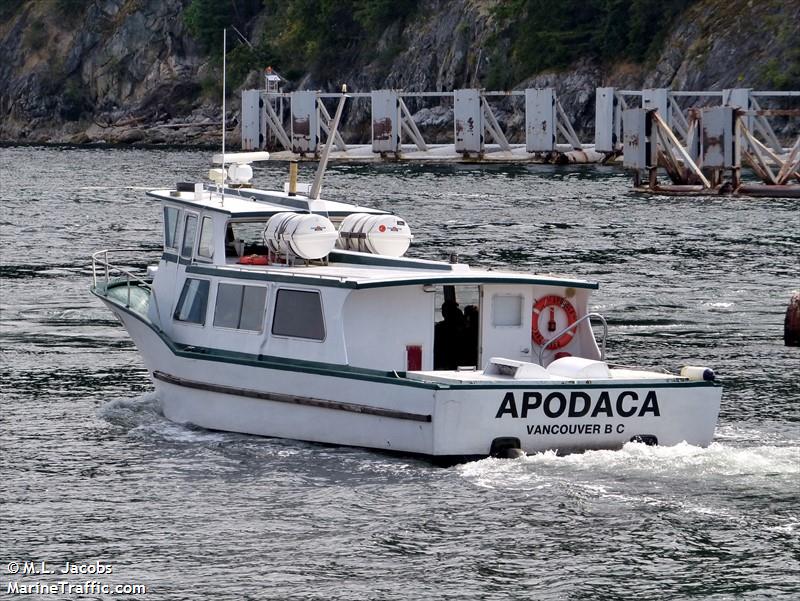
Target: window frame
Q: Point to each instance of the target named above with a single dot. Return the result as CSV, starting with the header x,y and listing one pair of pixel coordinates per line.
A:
x,y
300,338
189,215
178,303
197,253
177,229
521,298
262,324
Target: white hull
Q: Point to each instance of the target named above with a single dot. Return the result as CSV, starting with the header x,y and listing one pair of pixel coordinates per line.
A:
x,y
414,417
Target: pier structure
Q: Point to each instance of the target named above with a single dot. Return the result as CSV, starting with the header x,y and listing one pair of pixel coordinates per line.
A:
x,y
477,133
703,149
654,127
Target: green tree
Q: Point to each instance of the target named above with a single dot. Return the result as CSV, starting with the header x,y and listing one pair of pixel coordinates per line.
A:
x,y
207,18
545,35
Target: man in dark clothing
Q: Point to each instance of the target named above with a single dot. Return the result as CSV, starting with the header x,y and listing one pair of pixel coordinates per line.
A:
x,y
448,337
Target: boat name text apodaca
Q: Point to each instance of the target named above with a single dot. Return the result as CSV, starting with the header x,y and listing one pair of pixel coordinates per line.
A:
x,y
579,404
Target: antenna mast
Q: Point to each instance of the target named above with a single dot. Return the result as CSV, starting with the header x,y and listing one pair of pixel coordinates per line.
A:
x,y
224,58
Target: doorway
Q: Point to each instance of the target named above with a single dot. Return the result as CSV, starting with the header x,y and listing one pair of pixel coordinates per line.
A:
x,y
456,335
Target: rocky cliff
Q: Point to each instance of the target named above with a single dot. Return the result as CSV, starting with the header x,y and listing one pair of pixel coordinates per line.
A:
x,y
131,71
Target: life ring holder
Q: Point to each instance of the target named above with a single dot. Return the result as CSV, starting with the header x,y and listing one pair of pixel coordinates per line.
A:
x,y
552,301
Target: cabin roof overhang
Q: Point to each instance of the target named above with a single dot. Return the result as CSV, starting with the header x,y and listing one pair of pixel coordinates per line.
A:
x,y
338,275
248,203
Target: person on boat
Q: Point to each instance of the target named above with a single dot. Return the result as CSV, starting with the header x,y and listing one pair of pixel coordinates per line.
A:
x,y
448,338
470,347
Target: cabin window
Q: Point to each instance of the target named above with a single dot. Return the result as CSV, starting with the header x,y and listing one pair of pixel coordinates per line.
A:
x,y
189,233
171,227
298,314
245,238
507,310
192,303
240,307
206,246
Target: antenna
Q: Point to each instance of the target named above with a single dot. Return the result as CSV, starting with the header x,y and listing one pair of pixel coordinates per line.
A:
x,y
224,58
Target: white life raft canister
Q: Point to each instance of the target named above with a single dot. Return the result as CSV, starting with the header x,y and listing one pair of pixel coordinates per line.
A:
x,y
304,235
386,235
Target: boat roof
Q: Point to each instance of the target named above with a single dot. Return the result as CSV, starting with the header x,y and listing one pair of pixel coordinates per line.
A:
x,y
348,269
245,203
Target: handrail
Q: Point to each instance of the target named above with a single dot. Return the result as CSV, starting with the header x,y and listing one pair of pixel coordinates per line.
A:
x,y
586,317
109,269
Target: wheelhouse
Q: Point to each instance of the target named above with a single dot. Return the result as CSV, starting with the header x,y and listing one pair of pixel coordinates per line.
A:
x,y
219,286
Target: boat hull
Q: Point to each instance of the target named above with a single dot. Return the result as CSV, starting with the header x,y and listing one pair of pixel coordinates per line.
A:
x,y
279,398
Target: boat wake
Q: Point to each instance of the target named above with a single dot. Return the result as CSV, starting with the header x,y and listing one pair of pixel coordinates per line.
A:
x,y
142,418
769,465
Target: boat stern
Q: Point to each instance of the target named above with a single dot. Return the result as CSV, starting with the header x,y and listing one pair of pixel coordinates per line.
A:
x,y
481,415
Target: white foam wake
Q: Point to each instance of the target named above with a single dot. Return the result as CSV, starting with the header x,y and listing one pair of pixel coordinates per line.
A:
x,y
143,418
638,460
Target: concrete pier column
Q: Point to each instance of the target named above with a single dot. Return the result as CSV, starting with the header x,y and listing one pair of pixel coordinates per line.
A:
x,y
739,98
468,121
540,120
385,121
251,113
605,138
305,122
657,98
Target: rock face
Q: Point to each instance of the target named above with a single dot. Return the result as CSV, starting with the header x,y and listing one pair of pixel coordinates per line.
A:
x,y
128,71
95,69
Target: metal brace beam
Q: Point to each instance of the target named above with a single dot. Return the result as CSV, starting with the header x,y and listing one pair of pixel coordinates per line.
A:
x,y
767,151
565,127
679,122
276,126
325,123
687,160
316,186
758,148
409,127
755,164
693,142
761,124
670,163
622,105
494,127
791,164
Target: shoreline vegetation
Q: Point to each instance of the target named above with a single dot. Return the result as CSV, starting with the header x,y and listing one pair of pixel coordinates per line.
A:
x,y
148,72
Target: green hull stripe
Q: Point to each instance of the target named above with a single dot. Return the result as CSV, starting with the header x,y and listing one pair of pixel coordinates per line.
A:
x,y
357,373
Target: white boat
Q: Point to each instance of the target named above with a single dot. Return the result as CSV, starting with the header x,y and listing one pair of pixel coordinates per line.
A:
x,y
275,314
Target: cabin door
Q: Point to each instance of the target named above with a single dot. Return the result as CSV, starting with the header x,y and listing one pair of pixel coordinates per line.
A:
x,y
506,322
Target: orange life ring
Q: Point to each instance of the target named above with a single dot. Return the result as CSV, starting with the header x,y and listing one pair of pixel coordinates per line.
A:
x,y
552,301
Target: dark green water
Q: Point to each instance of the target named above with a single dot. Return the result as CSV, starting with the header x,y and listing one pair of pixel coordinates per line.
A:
x,y
90,470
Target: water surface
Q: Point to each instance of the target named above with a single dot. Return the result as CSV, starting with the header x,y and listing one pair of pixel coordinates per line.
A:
x,y
91,470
